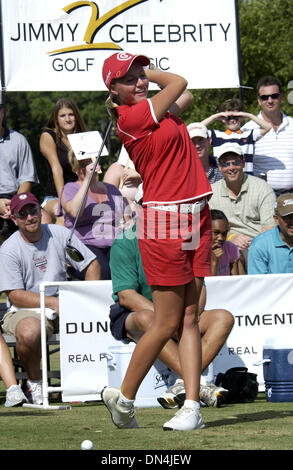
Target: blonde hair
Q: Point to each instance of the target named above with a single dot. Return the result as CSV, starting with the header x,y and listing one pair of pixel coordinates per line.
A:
x,y
74,163
111,106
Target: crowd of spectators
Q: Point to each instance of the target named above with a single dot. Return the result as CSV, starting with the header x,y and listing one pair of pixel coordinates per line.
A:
x,y
249,168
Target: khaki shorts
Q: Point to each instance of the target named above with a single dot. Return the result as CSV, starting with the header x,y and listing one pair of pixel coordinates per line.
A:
x,y
11,320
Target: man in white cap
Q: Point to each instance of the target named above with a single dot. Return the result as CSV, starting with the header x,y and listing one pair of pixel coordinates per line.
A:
x,y
247,201
271,251
200,137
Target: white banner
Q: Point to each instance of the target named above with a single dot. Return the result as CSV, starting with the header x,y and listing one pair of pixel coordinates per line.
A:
x,y
261,305
84,338
262,308
58,45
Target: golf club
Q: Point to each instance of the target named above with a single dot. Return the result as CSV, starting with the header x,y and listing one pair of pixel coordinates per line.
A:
x,y
73,252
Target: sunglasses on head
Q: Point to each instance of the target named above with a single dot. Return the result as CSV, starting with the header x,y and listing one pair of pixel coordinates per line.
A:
x,y
22,214
274,96
233,163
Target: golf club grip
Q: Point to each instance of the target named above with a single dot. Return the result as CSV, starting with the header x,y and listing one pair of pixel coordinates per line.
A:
x,y
90,180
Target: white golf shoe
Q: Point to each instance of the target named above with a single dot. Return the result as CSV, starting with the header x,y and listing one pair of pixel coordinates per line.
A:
x,y
15,396
122,414
186,419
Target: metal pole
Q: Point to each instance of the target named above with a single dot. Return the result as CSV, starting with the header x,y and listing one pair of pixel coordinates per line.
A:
x,y
238,50
2,70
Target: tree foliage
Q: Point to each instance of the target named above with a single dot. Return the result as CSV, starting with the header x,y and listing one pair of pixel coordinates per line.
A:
x,y
266,38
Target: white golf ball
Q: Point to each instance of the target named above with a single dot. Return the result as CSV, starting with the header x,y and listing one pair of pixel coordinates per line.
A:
x,y
87,445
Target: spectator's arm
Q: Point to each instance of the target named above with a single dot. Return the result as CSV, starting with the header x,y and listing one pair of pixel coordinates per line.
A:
x,y
134,301
215,117
49,151
242,241
26,299
266,210
5,208
264,125
114,174
24,187
93,271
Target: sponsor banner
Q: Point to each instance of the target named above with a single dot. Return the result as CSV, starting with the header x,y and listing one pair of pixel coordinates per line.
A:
x,y
58,45
261,305
84,339
262,308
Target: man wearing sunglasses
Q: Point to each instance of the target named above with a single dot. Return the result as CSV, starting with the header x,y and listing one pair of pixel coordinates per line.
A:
x,y
273,154
33,254
247,201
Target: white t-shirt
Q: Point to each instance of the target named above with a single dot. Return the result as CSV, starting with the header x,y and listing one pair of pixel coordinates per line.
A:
x,y
25,265
16,162
273,154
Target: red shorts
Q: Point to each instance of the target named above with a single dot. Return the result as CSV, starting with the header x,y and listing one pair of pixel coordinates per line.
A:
x,y
175,247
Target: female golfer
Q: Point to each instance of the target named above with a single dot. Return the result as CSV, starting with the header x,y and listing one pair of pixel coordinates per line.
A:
x,y
175,198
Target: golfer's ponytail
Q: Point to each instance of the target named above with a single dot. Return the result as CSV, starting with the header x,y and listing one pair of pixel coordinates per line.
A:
x,y
111,109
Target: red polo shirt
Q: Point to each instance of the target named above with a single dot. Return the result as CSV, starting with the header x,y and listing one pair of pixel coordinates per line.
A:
x,y
163,154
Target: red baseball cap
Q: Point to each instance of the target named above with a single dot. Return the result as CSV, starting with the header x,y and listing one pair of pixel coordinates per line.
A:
x,y
117,65
22,199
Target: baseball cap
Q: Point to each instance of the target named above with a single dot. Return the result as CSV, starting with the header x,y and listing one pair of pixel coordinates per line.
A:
x,y
197,129
22,199
227,148
284,204
117,65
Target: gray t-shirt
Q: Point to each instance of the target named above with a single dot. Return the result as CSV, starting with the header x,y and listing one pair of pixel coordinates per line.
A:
x,y
16,162
25,265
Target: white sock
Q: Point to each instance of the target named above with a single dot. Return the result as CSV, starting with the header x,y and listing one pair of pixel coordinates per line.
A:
x,y
195,405
122,400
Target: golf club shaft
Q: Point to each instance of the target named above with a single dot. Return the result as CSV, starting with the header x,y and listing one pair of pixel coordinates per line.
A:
x,y
89,181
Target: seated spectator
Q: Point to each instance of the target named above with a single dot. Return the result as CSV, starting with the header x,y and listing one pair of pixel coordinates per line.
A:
x,y
225,255
201,141
133,312
271,251
123,175
232,115
14,394
35,253
54,145
273,154
100,218
247,201
17,172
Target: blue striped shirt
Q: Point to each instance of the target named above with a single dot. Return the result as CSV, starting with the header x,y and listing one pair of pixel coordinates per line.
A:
x,y
245,139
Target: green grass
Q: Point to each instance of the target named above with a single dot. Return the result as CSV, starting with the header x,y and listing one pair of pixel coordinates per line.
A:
x,y
260,425
253,426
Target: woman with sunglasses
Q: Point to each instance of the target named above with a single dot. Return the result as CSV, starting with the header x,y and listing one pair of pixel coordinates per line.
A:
x,y
175,192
